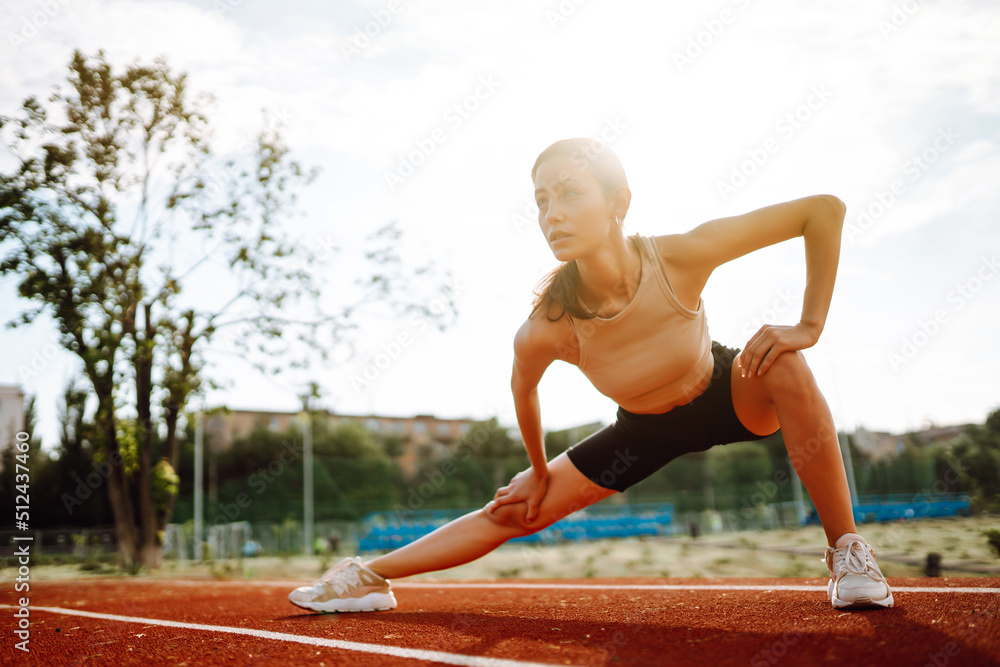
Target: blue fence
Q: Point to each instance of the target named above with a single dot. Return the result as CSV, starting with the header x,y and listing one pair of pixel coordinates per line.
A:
x,y
892,507
390,530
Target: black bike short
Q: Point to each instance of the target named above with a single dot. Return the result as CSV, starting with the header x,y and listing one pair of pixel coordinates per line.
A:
x,y
637,445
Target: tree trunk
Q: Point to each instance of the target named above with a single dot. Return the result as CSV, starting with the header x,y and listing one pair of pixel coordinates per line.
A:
x,y
118,494
170,448
170,453
179,387
149,544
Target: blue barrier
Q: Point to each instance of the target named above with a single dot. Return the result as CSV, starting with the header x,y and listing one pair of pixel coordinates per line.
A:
x,y
389,530
901,506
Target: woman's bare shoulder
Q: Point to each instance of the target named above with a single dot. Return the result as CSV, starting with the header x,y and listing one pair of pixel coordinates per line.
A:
x,y
670,246
687,280
543,338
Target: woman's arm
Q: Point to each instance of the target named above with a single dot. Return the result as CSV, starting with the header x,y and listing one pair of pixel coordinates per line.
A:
x,y
529,420
822,236
533,353
818,219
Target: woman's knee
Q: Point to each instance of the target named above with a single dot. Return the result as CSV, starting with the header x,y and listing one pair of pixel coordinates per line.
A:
x,y
790,373
513,517
568,491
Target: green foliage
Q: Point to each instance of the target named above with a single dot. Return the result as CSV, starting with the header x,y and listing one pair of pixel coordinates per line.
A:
x,y
902,474
128,447
993,540
490,440
557,442
348,439
738,464
115,168
976,456
165,484
354,474
349,488
736,472
260,477
103,145
392,445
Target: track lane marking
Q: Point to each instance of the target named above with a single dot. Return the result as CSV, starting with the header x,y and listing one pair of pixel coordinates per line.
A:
x,y
622,587
679,587
395,651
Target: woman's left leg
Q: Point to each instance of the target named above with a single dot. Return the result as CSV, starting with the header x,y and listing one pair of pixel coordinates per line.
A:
x,y
479,532
787,395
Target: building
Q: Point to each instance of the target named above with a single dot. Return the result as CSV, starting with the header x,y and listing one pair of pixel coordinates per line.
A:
x,y
11,414
884,445
878,445
938,434
423,436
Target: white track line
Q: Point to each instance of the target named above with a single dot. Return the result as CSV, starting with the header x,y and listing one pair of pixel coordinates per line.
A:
x,y
396,651
679,587
595,586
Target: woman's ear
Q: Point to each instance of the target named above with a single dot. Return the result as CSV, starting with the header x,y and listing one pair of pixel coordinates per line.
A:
x,y
620,201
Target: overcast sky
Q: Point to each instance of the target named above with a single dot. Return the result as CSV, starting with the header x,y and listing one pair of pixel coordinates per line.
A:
x,y
431,114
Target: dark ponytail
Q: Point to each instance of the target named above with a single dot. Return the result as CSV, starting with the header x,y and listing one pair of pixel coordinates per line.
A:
x,y
559,287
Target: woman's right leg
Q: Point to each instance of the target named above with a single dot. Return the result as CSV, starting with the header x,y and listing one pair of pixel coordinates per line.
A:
x,y
477,533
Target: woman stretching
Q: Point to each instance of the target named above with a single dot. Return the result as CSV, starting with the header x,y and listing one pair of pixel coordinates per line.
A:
x,y
627,311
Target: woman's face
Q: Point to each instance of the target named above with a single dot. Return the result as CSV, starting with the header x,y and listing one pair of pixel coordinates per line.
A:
x,y
574,212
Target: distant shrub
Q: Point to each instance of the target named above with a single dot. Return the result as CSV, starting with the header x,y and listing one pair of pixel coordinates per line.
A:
x,y
993,540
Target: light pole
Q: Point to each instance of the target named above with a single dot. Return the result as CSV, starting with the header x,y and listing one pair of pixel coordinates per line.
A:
x,y
709,491
800,508
845,448
199,473
305,418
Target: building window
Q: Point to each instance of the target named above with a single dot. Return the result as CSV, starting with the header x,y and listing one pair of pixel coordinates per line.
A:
x,y
372,425
420,427
273,423
444,429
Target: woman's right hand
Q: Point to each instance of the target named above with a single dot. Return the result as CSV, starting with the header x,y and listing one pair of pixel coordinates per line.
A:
x,y
527,487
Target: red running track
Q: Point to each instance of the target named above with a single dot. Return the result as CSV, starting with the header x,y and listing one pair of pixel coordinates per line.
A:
x,y
507,623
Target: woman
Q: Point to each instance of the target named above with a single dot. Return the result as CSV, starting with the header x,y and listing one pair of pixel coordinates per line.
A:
x,y
628,312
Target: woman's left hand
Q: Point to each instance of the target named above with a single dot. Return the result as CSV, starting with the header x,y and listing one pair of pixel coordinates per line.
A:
x,y
527,487
770,341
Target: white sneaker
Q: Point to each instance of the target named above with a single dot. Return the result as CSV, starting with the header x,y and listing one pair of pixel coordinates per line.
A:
x,y
347,586
855,580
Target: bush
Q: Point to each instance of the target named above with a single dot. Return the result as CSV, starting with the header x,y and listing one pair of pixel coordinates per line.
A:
x,y
993,540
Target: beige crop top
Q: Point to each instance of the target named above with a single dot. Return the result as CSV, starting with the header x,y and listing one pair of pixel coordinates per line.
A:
x,y
653,355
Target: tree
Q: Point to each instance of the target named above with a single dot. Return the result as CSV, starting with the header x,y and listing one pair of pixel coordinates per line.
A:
x,y
492,449
116,191
79,471
976,455
557,442
353,474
